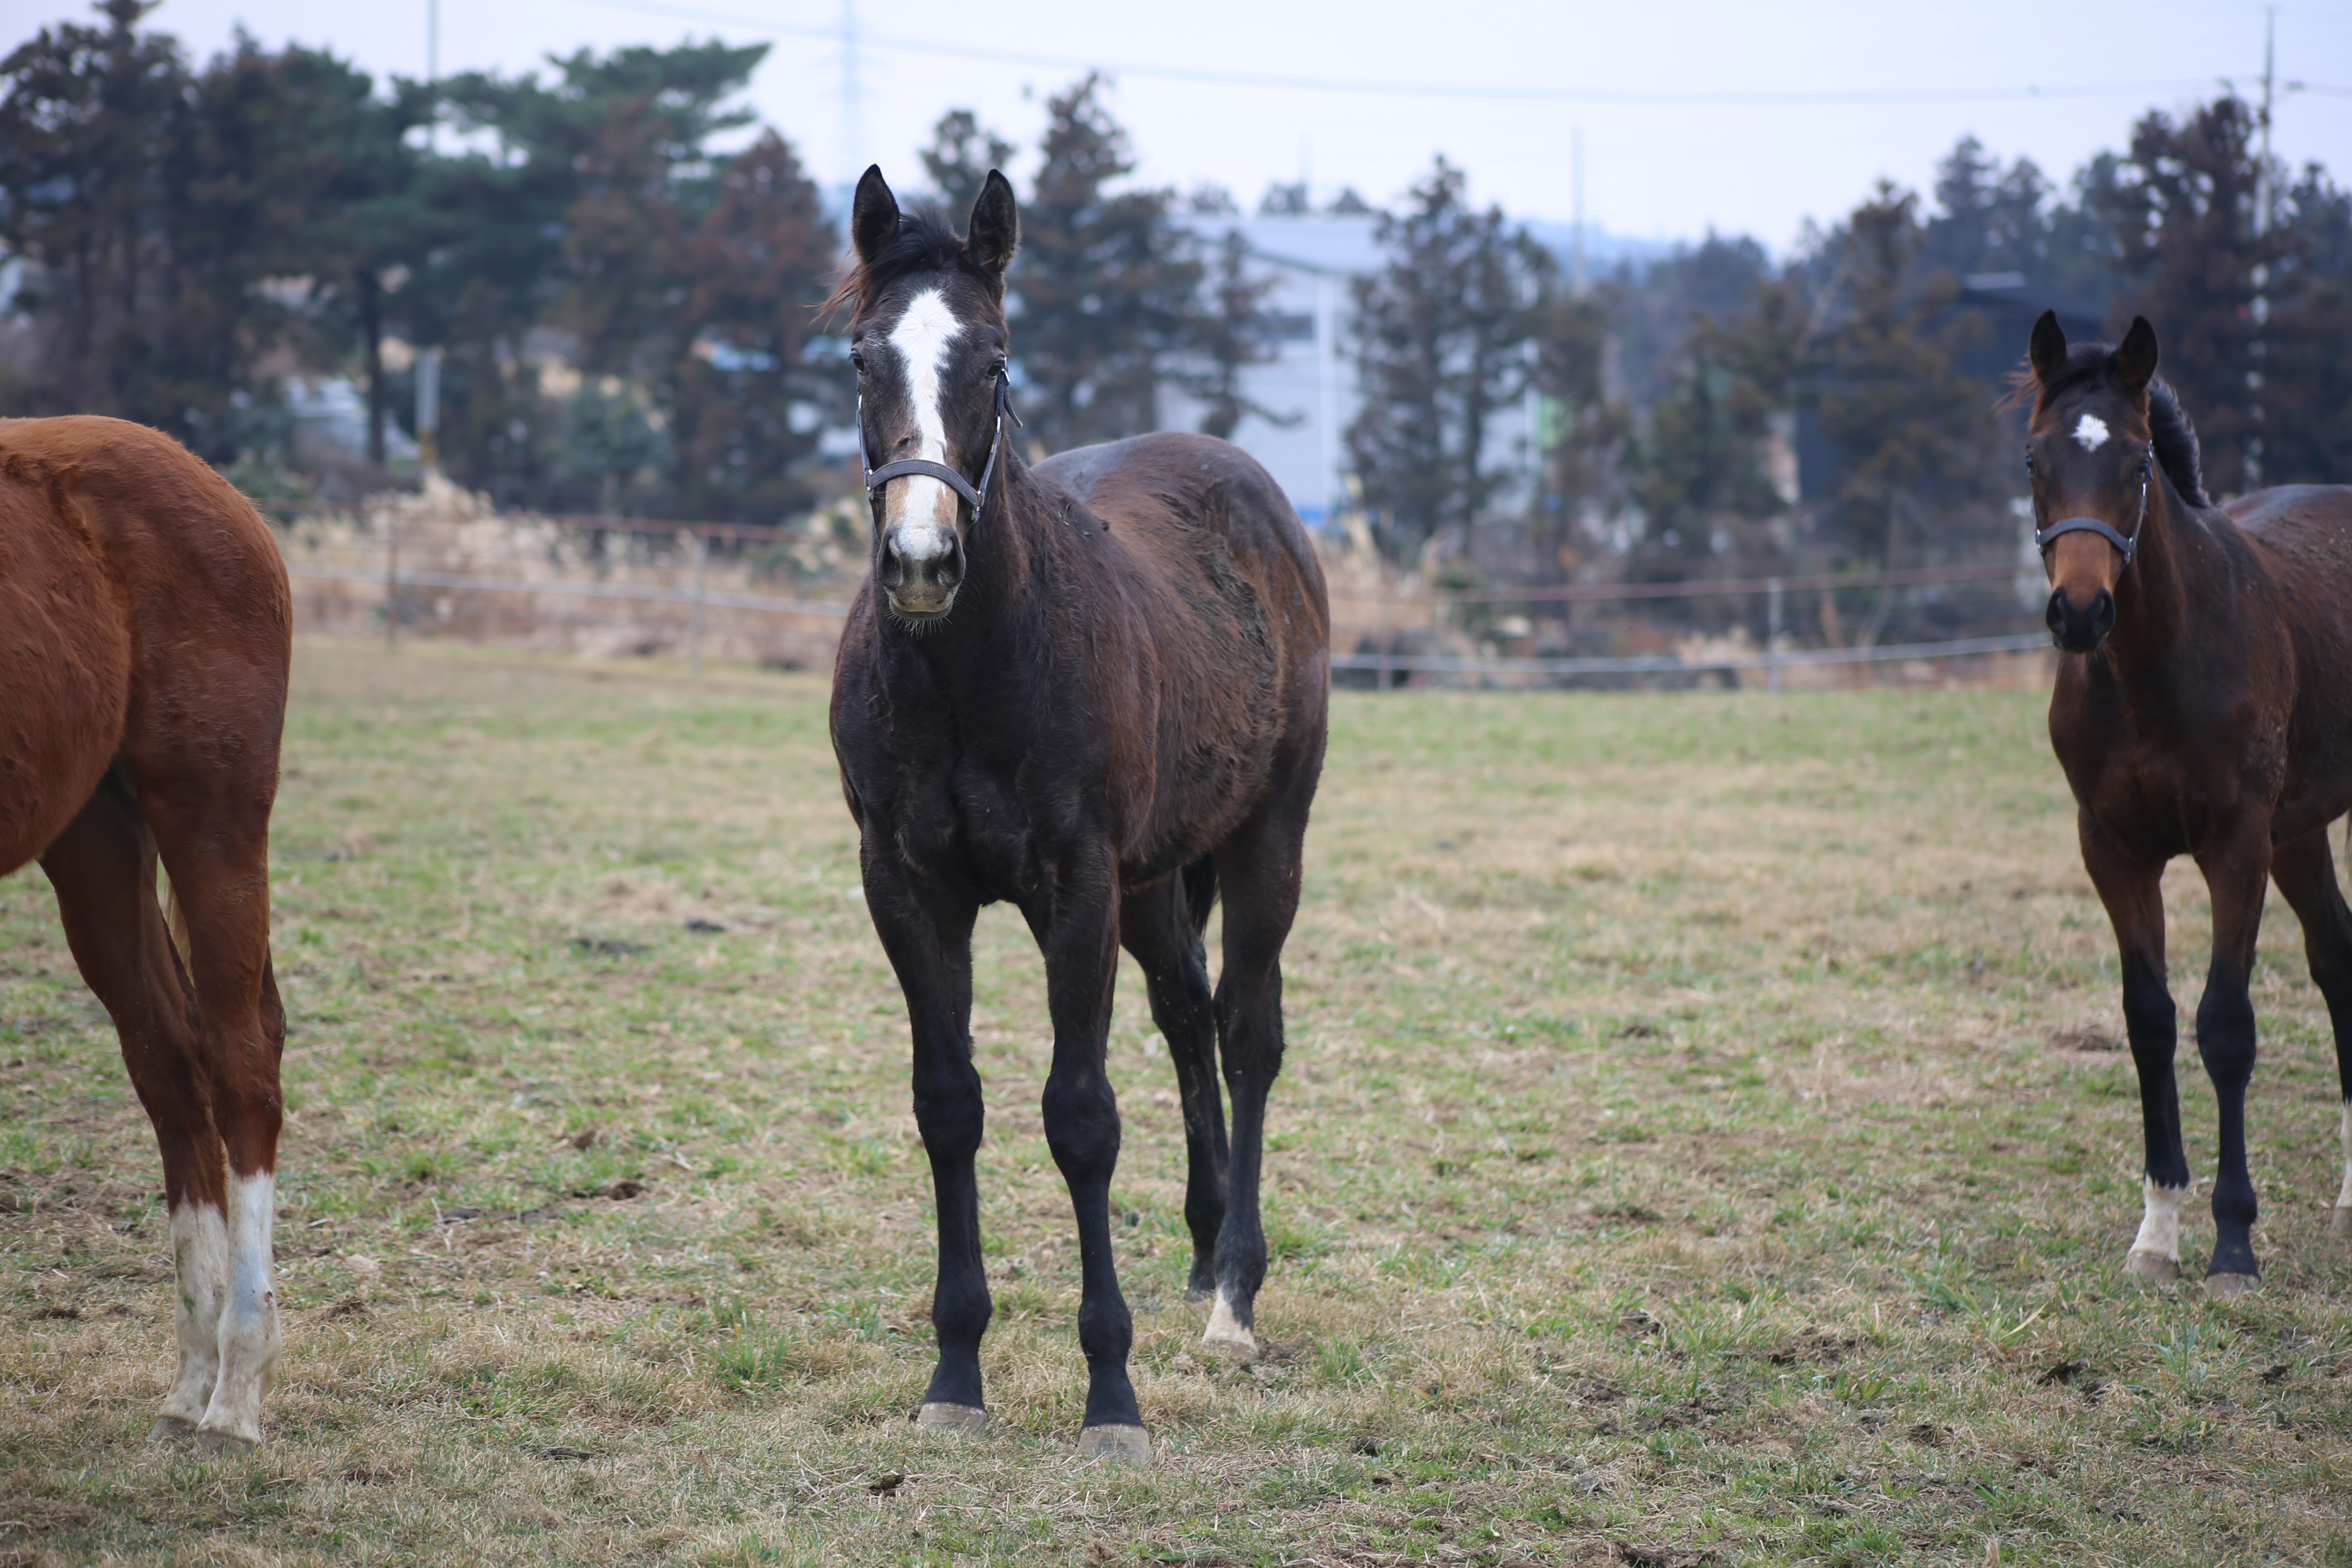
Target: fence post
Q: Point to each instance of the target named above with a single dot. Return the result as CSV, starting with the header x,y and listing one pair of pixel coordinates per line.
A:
x,y
1772,634
391,577
694,643
1381,634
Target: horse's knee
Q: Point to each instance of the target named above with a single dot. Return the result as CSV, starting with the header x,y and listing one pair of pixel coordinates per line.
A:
x,y
2225,1034
1081,1116
950,1114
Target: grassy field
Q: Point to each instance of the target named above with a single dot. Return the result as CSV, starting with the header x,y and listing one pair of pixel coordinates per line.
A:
x,y
1702,1141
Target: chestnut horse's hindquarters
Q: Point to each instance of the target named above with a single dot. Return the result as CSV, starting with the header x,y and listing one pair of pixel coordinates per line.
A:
x,y
185,583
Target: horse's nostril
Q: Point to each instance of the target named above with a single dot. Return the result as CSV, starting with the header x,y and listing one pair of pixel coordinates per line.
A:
x,y
2103,613
2054,615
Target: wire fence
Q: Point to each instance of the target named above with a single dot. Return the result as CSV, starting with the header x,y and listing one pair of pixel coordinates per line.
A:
x,y
446,566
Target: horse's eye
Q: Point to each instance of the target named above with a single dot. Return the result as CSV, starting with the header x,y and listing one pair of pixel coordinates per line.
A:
x,y
2029,462
857,361
996,367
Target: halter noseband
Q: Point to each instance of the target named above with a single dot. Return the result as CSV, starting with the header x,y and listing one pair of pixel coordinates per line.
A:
x,y
2042,537
976,494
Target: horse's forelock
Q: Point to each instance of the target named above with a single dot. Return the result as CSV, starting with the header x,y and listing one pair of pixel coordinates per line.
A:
x,y
925,242
2170,431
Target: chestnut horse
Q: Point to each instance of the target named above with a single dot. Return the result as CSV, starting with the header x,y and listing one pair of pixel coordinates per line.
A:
x,y
144,628
1096,689
2204,707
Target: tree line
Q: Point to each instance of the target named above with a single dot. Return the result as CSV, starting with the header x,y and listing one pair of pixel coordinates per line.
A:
x,y
627,324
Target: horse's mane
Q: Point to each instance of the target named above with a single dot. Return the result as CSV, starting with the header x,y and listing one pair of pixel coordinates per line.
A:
x,y
2168,426
925,242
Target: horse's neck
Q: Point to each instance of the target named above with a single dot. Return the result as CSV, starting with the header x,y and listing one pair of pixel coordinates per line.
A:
x,y
2155,611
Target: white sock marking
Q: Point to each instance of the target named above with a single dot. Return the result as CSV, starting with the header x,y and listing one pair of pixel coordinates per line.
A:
x,y
2159,1220
2091,431
1225,1329
921,511
2344,1137
199,1270
249,1319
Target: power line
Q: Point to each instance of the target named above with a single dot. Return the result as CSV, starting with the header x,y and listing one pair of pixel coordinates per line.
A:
x,y
1598,96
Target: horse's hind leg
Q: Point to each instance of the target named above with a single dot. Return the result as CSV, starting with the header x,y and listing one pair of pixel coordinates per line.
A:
x,y
1259,870
2305,874
103,868
211,821
1157,928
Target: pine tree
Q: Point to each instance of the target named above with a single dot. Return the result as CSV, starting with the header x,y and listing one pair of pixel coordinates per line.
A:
x,y
1105,283
961,152
2183,214
1441,333
1916,479
1229,337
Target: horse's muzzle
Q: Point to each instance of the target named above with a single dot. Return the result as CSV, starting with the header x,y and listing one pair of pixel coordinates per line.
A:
x,y
2080,629
921,588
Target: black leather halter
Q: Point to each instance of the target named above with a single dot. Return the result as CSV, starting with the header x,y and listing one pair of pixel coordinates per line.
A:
x,y
976,494
2130,547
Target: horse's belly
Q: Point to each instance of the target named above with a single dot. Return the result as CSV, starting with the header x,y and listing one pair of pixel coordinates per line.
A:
x,y
65,673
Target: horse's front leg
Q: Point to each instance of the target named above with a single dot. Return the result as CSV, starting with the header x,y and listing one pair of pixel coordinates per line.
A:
x,y
1077,923
2237,873
927,932
2131,887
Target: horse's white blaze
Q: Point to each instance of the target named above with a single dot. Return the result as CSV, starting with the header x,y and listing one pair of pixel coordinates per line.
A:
x,y
2344,1138
249,1319
2092,432
2159,1220
1225,1329
919,512
200,1264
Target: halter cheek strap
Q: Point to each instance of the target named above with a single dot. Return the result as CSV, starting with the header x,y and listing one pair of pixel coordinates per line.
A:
x,y
875,478
2128,547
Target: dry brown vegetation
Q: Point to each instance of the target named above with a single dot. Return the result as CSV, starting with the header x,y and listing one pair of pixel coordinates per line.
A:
x,y
1703,1142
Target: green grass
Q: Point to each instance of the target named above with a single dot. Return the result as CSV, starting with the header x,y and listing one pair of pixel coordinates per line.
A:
x,y
1685,1154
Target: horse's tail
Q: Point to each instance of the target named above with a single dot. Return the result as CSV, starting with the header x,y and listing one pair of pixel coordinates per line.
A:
x,y
1201,890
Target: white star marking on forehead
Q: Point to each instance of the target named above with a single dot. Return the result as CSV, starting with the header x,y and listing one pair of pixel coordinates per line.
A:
x,y
2092,432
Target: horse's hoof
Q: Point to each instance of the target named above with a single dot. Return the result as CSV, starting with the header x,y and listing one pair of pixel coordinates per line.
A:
x,y
2231,1284
2340,1222
2149,1268
1119,1445
213,1443
938,1415
171,1429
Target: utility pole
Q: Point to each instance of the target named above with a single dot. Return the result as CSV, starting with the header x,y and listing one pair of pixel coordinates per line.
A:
x,y
853,132
1576,277
2258,351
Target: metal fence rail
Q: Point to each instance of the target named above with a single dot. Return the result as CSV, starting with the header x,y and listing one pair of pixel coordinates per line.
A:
x,y
1392,642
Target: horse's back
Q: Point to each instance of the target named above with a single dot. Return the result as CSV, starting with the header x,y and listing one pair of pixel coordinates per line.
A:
x,y
1173,485
2302,522
150,613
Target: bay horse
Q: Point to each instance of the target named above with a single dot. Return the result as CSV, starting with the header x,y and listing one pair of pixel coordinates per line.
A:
x,y
2204,707
1096,689
144,629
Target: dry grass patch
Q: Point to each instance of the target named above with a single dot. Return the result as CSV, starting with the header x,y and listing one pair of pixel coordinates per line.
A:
x,y
1702,1142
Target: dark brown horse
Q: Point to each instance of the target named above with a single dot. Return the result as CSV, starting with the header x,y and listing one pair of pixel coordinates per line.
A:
x,y
1095,690
2204,709
144,628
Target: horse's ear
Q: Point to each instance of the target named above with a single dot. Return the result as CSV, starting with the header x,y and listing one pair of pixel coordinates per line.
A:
x,y
874,215
2136,355
995,231
2048,348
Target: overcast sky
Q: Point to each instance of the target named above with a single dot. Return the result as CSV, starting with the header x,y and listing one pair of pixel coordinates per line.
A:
x,y
1738,117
